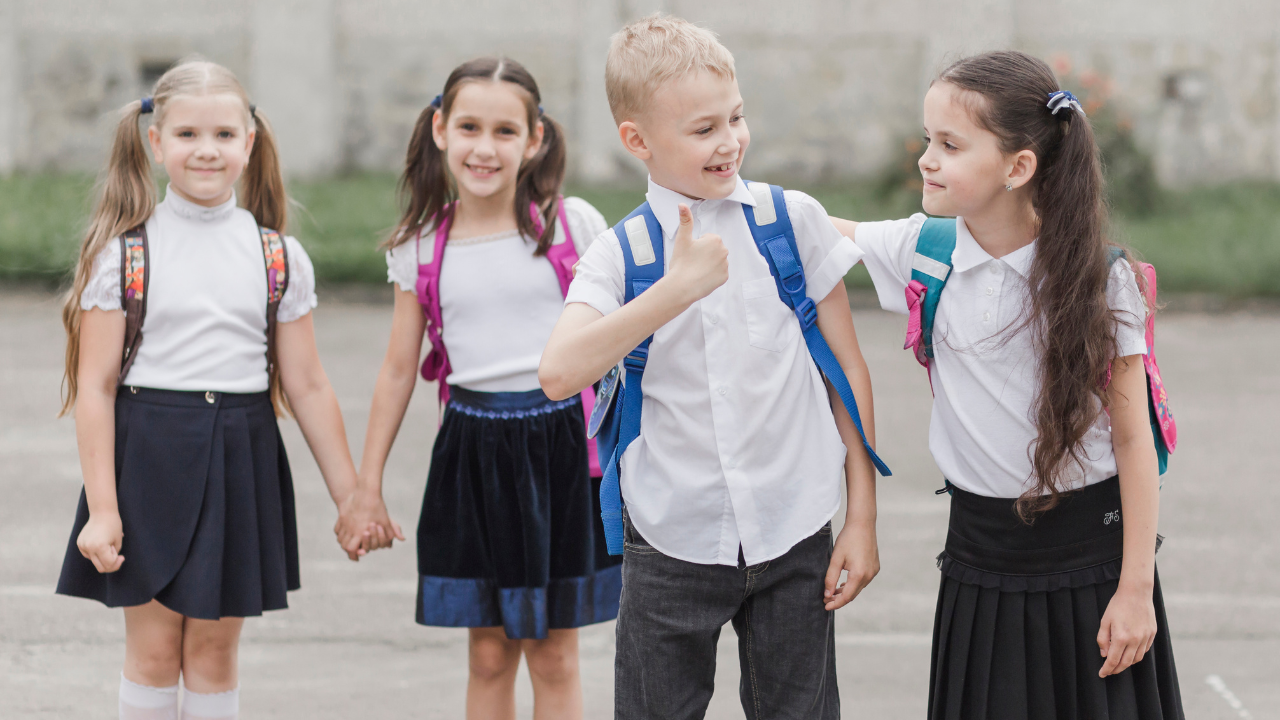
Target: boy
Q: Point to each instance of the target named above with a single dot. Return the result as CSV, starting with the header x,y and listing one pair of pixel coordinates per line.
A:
x,y
731,485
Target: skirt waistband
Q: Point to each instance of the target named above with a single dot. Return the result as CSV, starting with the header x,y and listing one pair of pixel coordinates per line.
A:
x,y
192,398
506,405
1085,529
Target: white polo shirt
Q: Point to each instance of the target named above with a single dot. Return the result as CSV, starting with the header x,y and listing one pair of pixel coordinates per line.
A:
x,y
737,446
982,432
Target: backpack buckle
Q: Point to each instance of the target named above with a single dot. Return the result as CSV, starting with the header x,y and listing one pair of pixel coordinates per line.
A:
x,y
794,282
636,360
807,312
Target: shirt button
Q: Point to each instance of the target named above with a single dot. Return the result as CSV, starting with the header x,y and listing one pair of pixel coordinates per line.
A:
x,y
995,268
209,398
990,290
986,317
714,320
723,390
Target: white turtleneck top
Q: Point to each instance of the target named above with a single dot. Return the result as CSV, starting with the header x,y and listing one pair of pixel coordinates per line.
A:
x,y
206,321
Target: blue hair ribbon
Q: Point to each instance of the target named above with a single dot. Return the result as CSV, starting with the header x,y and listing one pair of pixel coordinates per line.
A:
x,y
148,105
437,102
1063,99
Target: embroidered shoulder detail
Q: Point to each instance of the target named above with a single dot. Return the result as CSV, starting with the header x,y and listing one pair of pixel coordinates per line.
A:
x,y
135,265
273,252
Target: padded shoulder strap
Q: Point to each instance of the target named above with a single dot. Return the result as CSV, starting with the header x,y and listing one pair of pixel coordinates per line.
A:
x,y
770,225
640,235
562,253
931,267
134,282
275,258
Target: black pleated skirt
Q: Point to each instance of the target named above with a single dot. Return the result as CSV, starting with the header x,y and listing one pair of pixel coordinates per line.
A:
x,y
1019,608
510,533
206,503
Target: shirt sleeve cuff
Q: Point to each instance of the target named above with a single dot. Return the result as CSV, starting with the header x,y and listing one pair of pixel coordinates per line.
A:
x,y
834,267
603,302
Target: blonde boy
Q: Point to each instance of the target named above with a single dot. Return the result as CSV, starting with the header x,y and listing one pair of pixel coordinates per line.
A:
x,y
732,483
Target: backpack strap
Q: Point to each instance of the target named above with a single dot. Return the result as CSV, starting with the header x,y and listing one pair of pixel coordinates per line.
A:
x,y
134,282
771,229
640,236
930,269
436,365
275,258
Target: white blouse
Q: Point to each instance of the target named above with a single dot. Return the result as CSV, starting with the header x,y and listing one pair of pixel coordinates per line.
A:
x,y
497,301
206,324
981,433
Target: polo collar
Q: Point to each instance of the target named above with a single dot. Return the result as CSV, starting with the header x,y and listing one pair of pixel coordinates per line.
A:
x,y
665,203
969,254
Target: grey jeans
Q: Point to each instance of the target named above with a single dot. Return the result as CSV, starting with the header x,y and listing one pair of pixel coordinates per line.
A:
x,y
670,620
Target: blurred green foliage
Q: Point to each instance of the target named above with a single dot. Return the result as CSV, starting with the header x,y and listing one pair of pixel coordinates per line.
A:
x,y
1222,240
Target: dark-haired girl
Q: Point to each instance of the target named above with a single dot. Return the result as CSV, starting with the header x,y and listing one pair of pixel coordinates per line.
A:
x,y
1050,605
509,540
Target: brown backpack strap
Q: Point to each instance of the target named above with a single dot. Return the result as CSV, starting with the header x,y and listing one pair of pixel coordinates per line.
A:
x,y
134,281
276,259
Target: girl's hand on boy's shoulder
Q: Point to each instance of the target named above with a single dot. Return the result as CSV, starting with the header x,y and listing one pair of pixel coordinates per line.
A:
x,y
856,553
1128,629
100,541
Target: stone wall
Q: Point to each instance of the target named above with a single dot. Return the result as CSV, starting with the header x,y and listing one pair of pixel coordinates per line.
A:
x,y
832,87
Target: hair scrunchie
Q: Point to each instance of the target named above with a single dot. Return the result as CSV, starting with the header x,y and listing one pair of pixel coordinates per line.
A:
x,y
437,102
148,105
1064,99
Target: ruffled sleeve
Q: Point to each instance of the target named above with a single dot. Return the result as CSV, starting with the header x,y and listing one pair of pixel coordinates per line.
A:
x,y
402,266
103,290
300,297
585,223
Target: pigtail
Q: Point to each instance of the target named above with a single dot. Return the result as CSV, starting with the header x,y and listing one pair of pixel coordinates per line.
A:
x,y
126,198
263,182
539,183
424,187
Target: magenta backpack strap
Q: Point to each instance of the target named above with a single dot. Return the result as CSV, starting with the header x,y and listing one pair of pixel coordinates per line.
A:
x,y
436,367
562,254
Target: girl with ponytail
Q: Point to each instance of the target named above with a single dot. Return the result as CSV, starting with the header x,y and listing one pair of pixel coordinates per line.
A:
x,y
1050,605
510,542
188,330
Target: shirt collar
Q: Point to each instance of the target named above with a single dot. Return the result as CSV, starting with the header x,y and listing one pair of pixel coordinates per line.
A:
x,y
191,211
665,203
969,254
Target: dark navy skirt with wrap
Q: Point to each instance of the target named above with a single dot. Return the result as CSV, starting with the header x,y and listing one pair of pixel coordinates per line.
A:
x,y
1015,635
206,504
510,532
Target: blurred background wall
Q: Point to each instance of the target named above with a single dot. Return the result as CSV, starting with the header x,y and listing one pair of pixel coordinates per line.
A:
x,y
833,87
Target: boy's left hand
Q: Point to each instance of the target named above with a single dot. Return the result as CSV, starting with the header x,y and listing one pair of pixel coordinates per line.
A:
x,y
857,553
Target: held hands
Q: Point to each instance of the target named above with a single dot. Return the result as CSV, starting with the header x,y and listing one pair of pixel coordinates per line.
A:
x,y
855,551
100,541
364,525
1128,629
698,266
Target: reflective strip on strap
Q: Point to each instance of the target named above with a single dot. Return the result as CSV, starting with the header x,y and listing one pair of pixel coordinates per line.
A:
x,y
765,212
638,238
931,267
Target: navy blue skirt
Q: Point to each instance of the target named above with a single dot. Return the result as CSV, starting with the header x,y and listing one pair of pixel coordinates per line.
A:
x,y
1015,633
206,503
510,532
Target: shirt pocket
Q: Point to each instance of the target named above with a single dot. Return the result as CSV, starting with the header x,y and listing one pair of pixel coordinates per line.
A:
x,y
769,321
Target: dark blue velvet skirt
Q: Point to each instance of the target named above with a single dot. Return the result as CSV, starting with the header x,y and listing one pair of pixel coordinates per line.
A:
x,y
206,503
510,532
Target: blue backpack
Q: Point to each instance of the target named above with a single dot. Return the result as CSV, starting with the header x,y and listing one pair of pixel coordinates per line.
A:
x,y
929,273
615,421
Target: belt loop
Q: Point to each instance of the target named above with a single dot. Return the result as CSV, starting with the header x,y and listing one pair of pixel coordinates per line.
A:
x,y
210,397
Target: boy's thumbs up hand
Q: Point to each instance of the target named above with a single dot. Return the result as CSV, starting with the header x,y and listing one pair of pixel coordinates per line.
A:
x,y
698,265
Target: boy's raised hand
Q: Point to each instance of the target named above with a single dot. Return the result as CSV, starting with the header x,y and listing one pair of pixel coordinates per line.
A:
x,y
698,265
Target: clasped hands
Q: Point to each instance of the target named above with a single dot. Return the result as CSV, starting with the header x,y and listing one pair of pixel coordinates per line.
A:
x,y
363,523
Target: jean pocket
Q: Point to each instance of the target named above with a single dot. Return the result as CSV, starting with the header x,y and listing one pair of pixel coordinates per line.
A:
x,y
825,529
770,323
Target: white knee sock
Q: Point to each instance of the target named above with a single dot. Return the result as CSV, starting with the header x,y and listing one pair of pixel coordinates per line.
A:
x,y
210,706
139,702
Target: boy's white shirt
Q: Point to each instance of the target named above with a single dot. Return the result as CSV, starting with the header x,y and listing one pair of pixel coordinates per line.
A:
x,y
737,446
981,430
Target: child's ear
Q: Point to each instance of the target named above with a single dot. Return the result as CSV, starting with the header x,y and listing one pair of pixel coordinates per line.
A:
x,y
153,136
1022,168
535,141
633,141
437,130
250,139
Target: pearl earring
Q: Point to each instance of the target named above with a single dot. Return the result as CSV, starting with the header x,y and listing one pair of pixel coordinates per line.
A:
x,y
1008,187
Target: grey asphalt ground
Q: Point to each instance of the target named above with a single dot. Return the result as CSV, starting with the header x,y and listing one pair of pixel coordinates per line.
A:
x,y
348,646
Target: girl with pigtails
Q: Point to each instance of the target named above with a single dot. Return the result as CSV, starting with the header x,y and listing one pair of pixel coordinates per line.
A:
x,y
1030,323
188,332
510,542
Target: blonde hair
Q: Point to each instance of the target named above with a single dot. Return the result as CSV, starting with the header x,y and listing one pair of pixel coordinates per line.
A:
x,y
653,50
127,192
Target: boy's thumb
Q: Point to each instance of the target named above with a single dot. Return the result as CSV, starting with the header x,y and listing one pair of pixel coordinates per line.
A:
x,y
685,232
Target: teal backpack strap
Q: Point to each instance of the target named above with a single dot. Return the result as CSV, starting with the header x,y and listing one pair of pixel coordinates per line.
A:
x,y
640,236
930,269
771,229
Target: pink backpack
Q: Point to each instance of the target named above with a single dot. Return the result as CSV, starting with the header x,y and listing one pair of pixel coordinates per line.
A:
x,y
562,256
